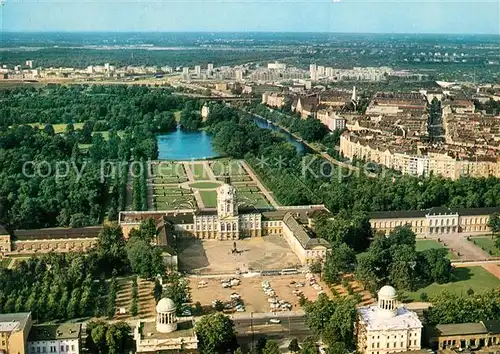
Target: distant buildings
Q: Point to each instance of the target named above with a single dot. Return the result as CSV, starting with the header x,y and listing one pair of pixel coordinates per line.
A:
x,y
276,66
395,133
273,99
388,327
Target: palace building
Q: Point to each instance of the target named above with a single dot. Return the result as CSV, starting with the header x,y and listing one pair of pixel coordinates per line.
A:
x,y
388,327
435,221
229,221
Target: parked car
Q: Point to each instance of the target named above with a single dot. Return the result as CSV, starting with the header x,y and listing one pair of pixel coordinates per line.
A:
x,y
274,320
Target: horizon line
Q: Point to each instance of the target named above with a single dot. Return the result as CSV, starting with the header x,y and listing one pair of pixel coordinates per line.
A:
x,y
249,31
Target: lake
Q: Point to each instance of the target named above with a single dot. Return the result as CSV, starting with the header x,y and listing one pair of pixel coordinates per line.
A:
x,y
185,145
197,145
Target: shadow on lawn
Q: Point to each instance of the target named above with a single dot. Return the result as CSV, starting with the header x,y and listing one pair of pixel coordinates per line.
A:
x,y
460,274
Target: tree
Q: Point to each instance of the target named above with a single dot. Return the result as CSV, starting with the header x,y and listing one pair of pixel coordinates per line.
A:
x,y
309,347
294,345
341,259
333,320
111,249
402,271
177,290
271,348
157,290
49,130
494,223
107,338
215,333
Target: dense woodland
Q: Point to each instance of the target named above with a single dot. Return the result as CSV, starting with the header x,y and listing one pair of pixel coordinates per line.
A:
x,y
300,179
117,126
77,285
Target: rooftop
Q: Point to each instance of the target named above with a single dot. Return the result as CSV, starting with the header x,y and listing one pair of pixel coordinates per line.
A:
x,y
375,320
301,234
10,322
435,211
58,233
55,332
184,329
492,326
458,329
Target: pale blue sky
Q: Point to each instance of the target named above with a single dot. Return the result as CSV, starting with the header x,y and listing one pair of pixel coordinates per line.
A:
x,y
382,16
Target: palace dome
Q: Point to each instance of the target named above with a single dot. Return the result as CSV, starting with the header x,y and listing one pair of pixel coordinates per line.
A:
x,y
165,305
387,292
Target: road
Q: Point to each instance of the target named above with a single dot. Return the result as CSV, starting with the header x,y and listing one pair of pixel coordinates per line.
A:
x,y
290,326
458,243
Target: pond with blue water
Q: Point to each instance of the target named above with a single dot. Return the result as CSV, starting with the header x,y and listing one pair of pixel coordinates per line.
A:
x,y
197,145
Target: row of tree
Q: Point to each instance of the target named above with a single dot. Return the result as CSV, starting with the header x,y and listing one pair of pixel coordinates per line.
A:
x,y
64,286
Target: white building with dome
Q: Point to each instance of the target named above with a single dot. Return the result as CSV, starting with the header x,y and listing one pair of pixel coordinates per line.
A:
x,y
388,327
165,332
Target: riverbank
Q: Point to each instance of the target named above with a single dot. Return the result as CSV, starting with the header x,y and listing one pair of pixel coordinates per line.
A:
x,y
312,147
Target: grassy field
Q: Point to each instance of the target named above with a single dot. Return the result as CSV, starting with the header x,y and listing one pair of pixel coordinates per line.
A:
x,y
169,202
204,185
199,171
209,198
231,167
487,243
477,278
430,244
169,170
247,188
170,180
170,191
58,128
242,178
256,199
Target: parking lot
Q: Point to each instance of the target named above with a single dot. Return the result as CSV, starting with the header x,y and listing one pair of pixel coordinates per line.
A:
x,y
251,292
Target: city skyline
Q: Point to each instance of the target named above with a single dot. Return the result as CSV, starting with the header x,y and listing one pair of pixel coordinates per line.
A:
x,y
405,17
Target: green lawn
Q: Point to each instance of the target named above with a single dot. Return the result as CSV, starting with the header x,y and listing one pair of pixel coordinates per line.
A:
x,y
204,185
170,180
430,244
169,170
486,243
58,128
169,202
199,172
241,178
477,278
209,198
170,191
249,188
231,167
255,199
